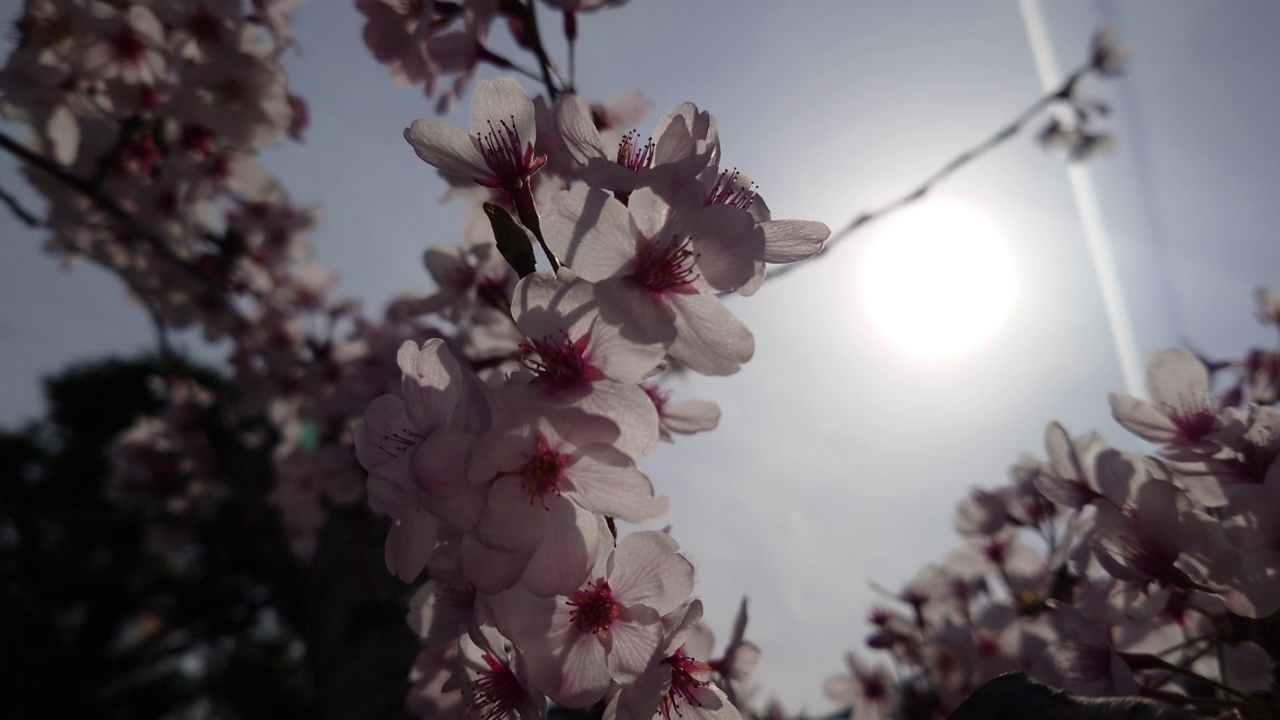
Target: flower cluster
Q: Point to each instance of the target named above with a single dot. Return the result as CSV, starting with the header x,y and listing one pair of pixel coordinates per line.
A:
x,y
148,115
1105,572
145,121
439,46
1072,128
508,459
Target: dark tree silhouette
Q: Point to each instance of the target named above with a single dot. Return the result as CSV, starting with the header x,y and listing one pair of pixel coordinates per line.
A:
x,y
113,611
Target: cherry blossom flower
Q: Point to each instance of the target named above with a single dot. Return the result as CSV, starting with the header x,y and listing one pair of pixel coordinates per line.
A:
x,y
1107,56
1087,656
201,28
1072,482
1159,538
1078,142
981,513
470,276
657,271
687,140
869,692
499,153
535,465
574,357
1247,574
738,662
1180,414
127,45
781,241
616,115
683,418
1250,448
415,449
389,35
237,97
497,684
433,669
1001,552
442,607
676,686
1267,302
551,557
608,629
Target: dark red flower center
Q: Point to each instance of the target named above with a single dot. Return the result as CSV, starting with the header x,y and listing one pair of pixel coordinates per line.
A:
x,y
634,156
594,608
657,396
1154,560
687,675
496,692
128,45
511,160
561,362
1192,422
994,551
667,267
543,471
873,688
727,191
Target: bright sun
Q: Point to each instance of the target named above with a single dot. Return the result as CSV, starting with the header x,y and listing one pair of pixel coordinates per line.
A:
x,y
938,279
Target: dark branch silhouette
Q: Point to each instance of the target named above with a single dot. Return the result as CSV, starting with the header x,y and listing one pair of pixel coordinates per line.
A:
x,y
1014,696
26,216
1062,93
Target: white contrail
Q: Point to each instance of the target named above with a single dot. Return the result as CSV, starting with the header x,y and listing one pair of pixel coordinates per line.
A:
x,y
1090,212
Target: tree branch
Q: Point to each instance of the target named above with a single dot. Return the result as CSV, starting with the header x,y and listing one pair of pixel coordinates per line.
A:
x,y
1061,93
90,191
540,50
26,216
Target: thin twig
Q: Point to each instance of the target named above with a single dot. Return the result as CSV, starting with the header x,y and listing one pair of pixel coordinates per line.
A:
x,y
1061,93
1146,662
20,212
535,38
106,204
571,37
111,158
157,321
162,331
506,63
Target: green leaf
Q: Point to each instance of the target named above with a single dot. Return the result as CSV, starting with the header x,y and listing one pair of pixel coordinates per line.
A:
x,y
513,240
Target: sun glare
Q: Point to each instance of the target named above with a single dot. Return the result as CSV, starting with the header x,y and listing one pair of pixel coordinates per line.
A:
x,y
938,279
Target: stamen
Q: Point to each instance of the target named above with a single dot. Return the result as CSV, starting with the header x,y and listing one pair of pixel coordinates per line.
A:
x,y
128,45
670,268
397,442
634,156
594,609
497,691
686,678
657,396
1154,561
561,362
511,160
727,191
543,471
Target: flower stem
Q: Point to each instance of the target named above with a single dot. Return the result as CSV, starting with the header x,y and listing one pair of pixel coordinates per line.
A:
x,y
527,209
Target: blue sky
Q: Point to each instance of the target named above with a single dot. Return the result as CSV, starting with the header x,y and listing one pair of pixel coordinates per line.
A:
x,y
839,458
